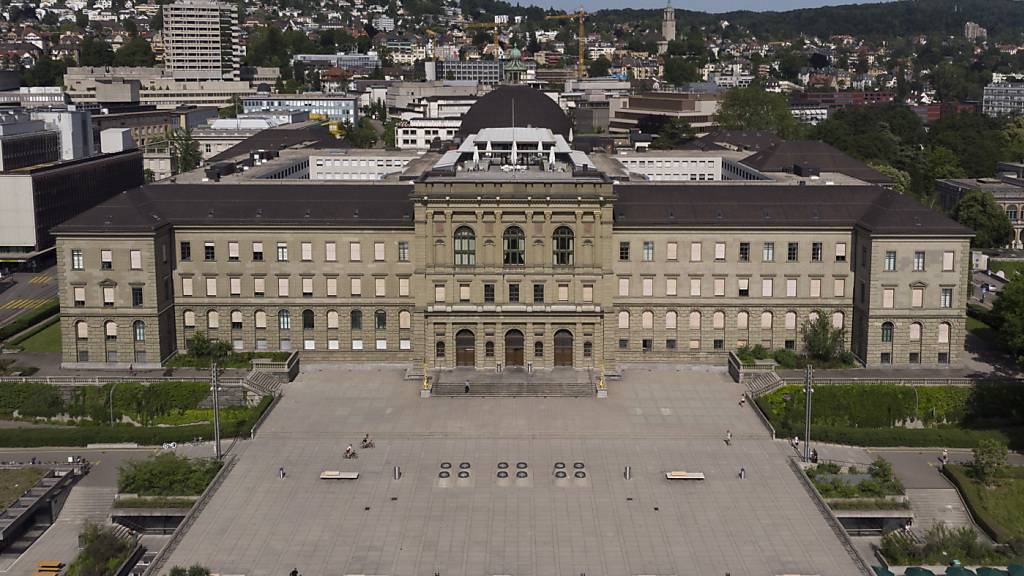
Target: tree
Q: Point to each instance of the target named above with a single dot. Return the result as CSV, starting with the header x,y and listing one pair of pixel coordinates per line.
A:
x,y
599,68
46,72
82,19
184,150
135,52
95,52
673,134
679,70
989,460
1015,138
158,21
1008,315
755,110
978,211
362,135
900,178
823,341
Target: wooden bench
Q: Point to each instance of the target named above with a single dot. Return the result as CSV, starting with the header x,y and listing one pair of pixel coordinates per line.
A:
x,y
338,475
50,564
681,475
46,572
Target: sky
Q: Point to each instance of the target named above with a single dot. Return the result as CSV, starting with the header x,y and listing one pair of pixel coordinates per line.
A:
x,y
701,5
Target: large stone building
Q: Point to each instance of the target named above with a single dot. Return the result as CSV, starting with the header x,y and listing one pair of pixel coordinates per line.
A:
x,y
202,40
511,250
1007,188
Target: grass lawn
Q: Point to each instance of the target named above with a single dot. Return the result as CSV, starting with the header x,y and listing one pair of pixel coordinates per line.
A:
x,y
46,340
999,508
14,483
981,330
1009,267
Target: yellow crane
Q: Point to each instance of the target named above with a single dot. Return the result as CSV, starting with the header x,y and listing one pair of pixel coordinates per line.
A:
x,y
581,37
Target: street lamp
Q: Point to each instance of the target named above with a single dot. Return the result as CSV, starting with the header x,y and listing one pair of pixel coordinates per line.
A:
x,y
808,390
216,411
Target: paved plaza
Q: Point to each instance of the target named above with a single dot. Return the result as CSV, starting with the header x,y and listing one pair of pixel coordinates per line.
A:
x,y
654,420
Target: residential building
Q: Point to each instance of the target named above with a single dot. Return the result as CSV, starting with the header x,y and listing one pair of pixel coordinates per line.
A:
x,y
201,40
974,32
149,86
354,61
319,105
419,133
1003,99
482,71
646,111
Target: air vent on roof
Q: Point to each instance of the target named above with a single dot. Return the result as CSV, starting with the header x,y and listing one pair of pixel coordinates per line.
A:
x,y
355,213
210,213
307,212
259,212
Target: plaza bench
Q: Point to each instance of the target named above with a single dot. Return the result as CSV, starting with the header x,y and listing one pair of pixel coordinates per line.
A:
x,y
681,475
47,565
338,475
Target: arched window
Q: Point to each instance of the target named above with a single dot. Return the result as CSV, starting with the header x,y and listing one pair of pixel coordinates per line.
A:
x,y
465,246
695,320
110,330
308,320
236,319
742,320
944,330
404,320
439,349
189,319
139,331
332,319
356,320
562,249
380,320
766,320
838,319
813,316
213,319
671,319
647,320
718,320
260,320
538,349
284,320
489,349
588,349
623,319
791,320
514,246
915,332
82,330
887,330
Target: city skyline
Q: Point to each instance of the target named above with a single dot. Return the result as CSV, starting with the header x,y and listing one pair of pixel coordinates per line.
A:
x,y
713,6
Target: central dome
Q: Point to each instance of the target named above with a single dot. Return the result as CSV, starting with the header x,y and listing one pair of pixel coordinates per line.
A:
x,y
532,108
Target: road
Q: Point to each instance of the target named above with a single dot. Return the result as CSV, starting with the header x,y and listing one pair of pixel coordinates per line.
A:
x,y
26,291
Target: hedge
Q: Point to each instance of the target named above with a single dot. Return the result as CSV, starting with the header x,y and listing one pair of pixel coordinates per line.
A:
x,y
26,320
167,474
949,437
969,489
147,436
142,402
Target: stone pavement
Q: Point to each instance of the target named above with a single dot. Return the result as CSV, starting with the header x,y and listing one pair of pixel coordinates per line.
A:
x,y
654,421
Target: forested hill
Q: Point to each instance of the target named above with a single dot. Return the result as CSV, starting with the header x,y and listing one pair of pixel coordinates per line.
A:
x,y
1004,19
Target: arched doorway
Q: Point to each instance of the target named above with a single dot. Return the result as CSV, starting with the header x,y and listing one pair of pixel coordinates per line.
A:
x,y
563,348
513,348
465,348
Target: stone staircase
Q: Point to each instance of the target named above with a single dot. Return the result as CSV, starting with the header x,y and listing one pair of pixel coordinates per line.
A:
x,y
88,504
933,506
261,383
572,389
764,383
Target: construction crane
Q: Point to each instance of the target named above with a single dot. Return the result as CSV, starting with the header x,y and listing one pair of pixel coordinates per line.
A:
x,y
579,17
488,25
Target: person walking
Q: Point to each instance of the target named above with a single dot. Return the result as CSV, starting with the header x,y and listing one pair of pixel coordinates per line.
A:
x,y
728,437
466,390
743,401
280,472
743,473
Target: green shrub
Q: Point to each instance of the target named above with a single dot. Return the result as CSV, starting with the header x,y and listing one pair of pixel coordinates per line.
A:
x,y
870,504
786,358
101,554
154,503
166,474
33,399
27,319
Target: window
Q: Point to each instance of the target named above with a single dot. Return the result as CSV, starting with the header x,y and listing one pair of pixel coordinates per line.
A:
x,y
648,251
890,261
235,286
354,254
538,293
767,287
840,251
185,249
439,295
766,320
671,251
623,343
209,252
331,251
944,333
282,286
284,320
513,292
947,261
743,287
404,320
647,344
946,298
403,251
356,320
647,286
790,320
465,247
378,252
538,349
744,251
211,286
887,330
793,252
135,259
623,251
718,344
695,320
355,286
186,286
232,251
403,286
236,319
439,350
671,320
282,251
110,330
489,293
815,290
888,297
768,252
332,286
588,292
257,251
307,287
189,319
563,292
489,349
563,246
816,251
916,297
915,332
463,292
79,296
719,286
588,349
514,246
624,319
106,260
259,287
306,251
718,320
839,287
213,319
139,331
694,287
695,251
260,320
719,251
670,286
791,287
914,358
380,289
918,261
885,358
623,286
838,320
136,296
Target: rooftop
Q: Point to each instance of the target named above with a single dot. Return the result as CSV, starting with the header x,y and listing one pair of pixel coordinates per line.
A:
x,y
783,156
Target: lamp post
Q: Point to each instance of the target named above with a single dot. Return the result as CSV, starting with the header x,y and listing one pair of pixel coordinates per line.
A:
x,y
112,387
808,391
216,412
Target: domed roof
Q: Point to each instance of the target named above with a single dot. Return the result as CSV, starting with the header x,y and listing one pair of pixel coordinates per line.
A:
x,y
532,108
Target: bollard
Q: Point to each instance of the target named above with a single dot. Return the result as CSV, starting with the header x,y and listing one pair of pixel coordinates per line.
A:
x,y
398,473
628,473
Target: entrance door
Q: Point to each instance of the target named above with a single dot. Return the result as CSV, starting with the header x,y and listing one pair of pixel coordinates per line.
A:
x,y
513,348
563,348
465,348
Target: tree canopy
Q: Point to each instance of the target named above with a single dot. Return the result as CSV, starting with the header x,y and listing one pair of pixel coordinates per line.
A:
x,y
135,52
979,211
95,52
1008,312
755,110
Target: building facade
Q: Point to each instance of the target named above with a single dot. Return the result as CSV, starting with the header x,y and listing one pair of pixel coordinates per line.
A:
x,y
202,40
1003,99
